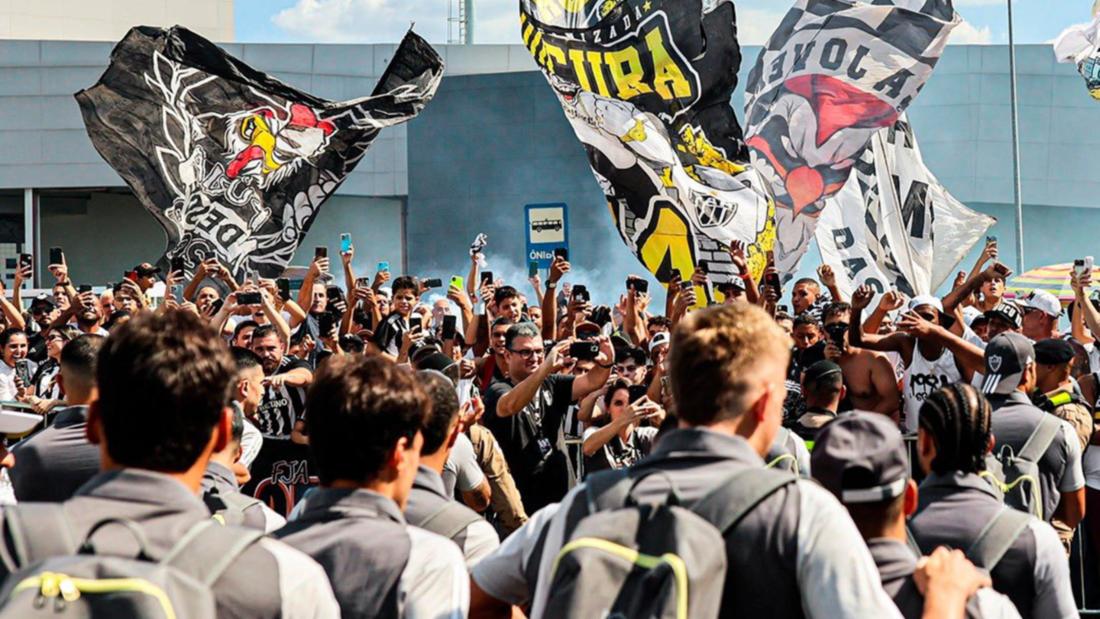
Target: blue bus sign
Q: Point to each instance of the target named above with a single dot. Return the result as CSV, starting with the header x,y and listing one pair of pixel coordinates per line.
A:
x,y
547,230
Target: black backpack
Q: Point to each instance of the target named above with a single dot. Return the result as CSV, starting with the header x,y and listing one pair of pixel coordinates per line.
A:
x,y
630,560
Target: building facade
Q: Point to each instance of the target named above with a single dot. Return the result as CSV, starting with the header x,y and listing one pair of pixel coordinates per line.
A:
x,y
495,139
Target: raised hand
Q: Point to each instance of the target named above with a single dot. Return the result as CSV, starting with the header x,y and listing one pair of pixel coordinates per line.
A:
x,y
827,276
558,268
861,298
737,256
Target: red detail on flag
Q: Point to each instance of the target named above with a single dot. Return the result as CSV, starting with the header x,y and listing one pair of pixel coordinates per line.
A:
x,y
245,157
303,116
839,105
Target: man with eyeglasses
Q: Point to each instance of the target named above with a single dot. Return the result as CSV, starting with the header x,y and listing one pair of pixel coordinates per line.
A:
x,y
933,356
526,412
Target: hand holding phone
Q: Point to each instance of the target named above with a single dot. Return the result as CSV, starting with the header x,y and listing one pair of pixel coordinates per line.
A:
x,y
57,256
345,243
587,350
450,326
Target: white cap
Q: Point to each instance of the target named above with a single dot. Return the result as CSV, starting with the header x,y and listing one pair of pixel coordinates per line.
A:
x,y
1042,301
926,299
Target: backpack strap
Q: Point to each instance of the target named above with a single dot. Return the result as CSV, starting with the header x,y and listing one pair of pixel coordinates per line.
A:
x,y
37,531
1041,438
997,537
607,490
450,520
911,542
208,549
739,494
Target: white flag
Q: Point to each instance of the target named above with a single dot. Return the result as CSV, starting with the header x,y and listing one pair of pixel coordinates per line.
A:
x,y
893,225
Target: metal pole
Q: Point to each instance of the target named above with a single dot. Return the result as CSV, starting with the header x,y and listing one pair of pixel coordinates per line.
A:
x,y
1017,184
469,22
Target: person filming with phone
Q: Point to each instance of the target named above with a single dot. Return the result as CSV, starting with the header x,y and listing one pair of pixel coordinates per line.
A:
x,y
16,370
622,441
527,411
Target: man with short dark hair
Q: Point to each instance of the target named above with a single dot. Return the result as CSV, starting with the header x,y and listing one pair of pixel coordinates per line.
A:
x,y
527,412
430,507
365,436
868,376
242,334
822,389
55,462
389,337
163,408
508,304
861,459
804,295
796,554
284,402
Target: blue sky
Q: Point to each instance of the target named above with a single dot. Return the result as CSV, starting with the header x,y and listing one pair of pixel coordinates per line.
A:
x,y
377,21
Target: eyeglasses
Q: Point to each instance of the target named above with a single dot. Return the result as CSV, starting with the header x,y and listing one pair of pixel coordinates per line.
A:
x,y
527,354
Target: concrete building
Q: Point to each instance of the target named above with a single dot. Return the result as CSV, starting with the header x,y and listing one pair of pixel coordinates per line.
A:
x,y
495,139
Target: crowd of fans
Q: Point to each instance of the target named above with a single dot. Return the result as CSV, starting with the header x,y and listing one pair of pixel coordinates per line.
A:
x,y
400,447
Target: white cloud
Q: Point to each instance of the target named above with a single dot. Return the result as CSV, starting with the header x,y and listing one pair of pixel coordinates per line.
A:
x,y
755,26
385,21
966,34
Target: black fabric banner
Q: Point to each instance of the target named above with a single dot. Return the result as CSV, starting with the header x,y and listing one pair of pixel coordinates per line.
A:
x,y
233,163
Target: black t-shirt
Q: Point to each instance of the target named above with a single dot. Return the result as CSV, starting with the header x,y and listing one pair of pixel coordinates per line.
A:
x,y
282,406
533,440
390,332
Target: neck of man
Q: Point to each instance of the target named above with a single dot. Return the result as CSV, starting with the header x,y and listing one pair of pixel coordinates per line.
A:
x,y
387,489
80,396
227,457
435,461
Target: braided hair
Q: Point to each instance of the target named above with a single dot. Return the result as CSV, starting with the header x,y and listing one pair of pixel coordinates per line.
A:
x,y
958,418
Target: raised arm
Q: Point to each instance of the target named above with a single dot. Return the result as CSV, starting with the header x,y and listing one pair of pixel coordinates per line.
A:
x,y
741,263
827,277
989,252
970,358
596,378
522,394
972,284
316,268
558,268
859,337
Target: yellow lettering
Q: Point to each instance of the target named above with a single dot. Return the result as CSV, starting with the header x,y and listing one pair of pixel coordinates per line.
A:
x,y
576,57
627,73
667,72
595,60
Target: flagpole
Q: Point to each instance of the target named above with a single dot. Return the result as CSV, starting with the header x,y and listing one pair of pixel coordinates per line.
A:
x,y
1017,184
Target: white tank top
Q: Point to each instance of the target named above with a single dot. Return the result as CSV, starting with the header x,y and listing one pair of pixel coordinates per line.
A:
x,y
922,378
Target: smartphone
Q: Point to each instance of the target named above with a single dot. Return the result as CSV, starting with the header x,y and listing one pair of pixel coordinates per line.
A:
x,y
81,289
836,333
283,284
532,268
601,315
417,326
703,265
25,260
990,239
325,323
772,279
562,253
362,282
1079,267
1002,270
450,325
176,264
641,285
334,293
486,278
584,351
177,291
216,306
23,371
249,298
636,392
345,243
458,282
57,256
433,283
131,275
383,266
581,292
320,252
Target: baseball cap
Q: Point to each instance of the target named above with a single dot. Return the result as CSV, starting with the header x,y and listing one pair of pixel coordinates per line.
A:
x,y
819,370
660,339
1006,357
1053,352
145,269
1006,311
1042,301
926,299
735,283
860,457
42,300
972,314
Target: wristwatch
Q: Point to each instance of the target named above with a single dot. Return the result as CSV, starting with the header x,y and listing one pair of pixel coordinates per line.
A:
x,y
551,285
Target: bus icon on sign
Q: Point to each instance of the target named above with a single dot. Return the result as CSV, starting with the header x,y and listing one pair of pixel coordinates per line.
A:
x,y
545,225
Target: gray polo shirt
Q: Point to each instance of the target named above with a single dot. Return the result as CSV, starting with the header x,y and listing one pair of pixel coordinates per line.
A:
x,y
1014,419
428,495
269,579
51,465
218,481
800,546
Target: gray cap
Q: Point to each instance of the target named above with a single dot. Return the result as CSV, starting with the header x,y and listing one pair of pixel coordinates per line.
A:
x,y
1006,357
860,457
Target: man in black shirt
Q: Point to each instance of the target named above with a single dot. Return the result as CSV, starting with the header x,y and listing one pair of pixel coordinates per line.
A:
x,y
527,411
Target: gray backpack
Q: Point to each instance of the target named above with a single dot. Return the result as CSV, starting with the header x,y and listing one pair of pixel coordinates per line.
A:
x,y
654,560
997,537
449,520
228,508
57,577
1016,476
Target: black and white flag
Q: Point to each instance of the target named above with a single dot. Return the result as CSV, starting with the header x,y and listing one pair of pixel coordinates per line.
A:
x,y
232,162
893,225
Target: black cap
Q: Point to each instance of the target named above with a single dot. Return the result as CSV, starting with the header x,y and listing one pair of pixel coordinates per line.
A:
x,y
820,370
860,457
43,301
1053,352
145,269
1006,357
1007,312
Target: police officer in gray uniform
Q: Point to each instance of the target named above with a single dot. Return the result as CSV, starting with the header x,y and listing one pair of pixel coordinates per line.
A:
x,y
798,544
429,506
861,459
1010,377
957,507
163,407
